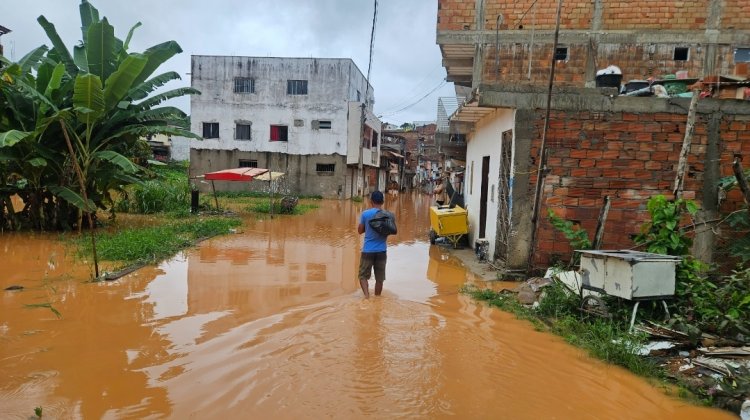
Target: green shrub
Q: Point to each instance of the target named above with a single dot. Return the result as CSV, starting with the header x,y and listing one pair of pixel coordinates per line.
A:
x,y
265,208
662,234
578,237
167,191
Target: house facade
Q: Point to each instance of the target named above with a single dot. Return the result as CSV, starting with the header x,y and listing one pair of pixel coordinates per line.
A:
x,y
599,142
300,116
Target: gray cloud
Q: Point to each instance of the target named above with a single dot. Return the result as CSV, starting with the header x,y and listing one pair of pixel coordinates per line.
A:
x,y
406,60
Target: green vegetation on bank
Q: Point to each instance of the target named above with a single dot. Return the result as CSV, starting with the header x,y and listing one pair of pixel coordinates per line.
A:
x,y
706,301
155,243
558,312
265,207
259,194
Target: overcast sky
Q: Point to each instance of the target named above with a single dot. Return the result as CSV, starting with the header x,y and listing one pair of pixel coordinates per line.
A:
x,y
406,63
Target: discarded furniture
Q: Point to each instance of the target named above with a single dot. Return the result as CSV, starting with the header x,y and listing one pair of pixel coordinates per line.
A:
x,y
630,275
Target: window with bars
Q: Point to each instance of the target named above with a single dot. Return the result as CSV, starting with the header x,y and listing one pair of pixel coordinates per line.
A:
x,y
296,87
243,132
279,133
321,124
325,167
211,130
244,85
247,163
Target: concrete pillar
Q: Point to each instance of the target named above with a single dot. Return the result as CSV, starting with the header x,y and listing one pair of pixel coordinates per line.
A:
x,y
522,195
705,239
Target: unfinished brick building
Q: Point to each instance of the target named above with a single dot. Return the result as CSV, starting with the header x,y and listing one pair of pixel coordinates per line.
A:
x,y
600,141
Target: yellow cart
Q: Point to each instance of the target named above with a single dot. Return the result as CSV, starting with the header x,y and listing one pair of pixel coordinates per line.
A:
x,y
448,222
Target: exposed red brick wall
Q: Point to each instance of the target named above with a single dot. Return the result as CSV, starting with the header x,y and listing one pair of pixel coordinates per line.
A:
x,y
630,157
456,15
684,14
514,65
736,14
520,14
635,62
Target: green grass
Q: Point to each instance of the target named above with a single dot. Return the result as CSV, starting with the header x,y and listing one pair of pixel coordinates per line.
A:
x,y
265,208
155,243
167,191
260,194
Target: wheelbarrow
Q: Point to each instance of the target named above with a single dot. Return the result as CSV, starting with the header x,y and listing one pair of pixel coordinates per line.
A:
x,y
449,222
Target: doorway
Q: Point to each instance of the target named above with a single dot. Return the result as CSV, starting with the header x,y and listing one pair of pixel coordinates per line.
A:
x,y
504,201
483,196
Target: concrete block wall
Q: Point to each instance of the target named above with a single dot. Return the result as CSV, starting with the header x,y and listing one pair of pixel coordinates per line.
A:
x,y
630,157
301,176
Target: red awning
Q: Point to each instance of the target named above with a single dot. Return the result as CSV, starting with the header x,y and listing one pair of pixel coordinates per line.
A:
x,y
235,174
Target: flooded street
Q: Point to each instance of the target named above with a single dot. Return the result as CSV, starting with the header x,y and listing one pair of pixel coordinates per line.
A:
x,y
270,323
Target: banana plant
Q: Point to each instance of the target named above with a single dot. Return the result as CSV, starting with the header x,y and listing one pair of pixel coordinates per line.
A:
x,y
101,96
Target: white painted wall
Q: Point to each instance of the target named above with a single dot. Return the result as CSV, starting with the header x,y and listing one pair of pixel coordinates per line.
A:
x,y
332,85
485,141
181,147
370,156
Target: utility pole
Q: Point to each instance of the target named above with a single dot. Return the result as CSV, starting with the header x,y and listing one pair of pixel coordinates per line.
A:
x,y
542,164
360,171
360,174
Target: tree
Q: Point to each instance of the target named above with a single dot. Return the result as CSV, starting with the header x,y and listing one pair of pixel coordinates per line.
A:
x,y
101,98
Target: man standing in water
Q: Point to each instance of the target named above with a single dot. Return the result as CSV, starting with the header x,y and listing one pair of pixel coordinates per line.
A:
x,y
373,256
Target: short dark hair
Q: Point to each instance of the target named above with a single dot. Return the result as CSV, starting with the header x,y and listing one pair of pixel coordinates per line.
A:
x,y
377,197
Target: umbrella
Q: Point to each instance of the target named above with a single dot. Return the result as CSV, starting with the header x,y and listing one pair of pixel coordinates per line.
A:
x,y
235,174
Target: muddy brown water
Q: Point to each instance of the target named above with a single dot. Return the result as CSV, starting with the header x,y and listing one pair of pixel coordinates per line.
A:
x,y
269,323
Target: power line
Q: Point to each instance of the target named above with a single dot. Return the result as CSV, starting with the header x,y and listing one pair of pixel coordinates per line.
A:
x,y
372,45
360,169
409,99
416,89
442,83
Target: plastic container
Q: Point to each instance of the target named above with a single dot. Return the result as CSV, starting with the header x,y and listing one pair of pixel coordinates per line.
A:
x,y
609,80
634,85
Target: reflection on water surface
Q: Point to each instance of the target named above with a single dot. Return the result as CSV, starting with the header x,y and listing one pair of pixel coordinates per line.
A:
x,y
270,322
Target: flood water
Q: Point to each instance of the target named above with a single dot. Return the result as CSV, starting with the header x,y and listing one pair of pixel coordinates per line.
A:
x,y
270,323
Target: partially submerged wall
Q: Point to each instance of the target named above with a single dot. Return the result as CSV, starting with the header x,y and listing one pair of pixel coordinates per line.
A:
x,y
302,174
626,148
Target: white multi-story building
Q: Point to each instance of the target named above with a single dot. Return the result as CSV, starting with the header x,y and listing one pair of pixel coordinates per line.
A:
x,y
300,116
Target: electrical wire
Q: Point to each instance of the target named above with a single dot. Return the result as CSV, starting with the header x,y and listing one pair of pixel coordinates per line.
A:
x,y
409,100
372,44
415,91
442,83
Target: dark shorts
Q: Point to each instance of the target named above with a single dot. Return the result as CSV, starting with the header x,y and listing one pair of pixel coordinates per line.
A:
x,y
370,261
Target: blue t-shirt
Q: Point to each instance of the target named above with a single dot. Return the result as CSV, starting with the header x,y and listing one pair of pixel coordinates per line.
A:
x,y
374,242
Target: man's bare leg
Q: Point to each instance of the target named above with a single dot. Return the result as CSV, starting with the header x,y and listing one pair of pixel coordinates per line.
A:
x,y
378,287
366,288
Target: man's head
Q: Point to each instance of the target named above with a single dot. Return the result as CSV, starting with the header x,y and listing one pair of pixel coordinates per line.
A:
x,y
377,197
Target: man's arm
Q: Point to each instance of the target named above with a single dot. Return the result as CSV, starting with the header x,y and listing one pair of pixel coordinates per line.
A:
x,y
360,228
